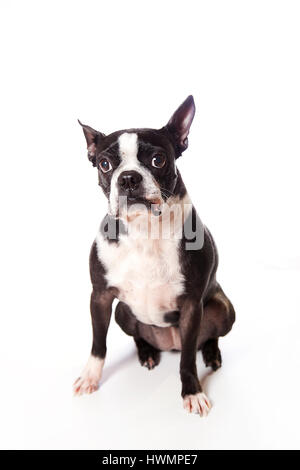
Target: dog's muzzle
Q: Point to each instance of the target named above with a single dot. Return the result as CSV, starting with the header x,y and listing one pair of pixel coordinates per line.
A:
x,y
129,184
132,191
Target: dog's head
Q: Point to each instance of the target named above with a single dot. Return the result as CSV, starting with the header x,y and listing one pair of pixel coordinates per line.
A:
x,y
139,164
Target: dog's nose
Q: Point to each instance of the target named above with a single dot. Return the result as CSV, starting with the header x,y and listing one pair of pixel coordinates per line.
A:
x,y
129,180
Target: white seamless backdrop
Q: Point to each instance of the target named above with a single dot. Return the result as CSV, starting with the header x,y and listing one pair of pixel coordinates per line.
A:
x,y
116,65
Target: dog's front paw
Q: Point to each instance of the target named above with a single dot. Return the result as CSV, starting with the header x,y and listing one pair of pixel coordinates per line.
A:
x,y
89,380
198,403
85,385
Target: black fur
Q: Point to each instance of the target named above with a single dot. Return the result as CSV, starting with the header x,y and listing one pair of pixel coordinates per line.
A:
x,y
101,304
172,317
204,312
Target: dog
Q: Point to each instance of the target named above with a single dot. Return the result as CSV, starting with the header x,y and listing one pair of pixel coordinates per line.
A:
x,y
169,298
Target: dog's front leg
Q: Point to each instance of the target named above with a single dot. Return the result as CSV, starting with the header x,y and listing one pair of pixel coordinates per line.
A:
x,y
194,400
101,306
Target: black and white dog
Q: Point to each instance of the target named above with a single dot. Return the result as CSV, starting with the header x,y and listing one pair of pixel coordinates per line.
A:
x,y
154,255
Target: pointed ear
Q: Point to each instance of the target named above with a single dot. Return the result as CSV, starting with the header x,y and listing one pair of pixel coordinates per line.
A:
x,y
92,139
180,123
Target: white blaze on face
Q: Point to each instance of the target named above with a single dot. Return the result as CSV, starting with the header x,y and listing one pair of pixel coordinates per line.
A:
x,y
128,149
128,152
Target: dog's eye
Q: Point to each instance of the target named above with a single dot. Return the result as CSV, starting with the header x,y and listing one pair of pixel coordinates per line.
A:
x,y
105,165
158,161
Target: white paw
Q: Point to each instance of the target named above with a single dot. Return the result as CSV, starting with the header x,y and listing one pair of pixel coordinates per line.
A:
x,y
85,385
88,382
198,403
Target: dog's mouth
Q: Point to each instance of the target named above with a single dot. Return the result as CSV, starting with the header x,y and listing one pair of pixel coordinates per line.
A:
x,y
140,204
156,206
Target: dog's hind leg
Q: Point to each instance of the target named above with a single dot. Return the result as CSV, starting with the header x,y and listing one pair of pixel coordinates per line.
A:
x,y
148,355
125,319
212,354
218,319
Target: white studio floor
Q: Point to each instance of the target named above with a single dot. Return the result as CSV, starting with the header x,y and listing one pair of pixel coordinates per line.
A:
x,y
255,395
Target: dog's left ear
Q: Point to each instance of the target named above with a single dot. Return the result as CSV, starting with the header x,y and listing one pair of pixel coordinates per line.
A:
x,y
180,123
92,139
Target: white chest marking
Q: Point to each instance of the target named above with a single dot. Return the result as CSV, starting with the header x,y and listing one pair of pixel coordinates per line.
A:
x,y
147,274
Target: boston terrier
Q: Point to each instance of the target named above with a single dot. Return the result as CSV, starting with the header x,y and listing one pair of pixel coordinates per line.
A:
x,y
155,256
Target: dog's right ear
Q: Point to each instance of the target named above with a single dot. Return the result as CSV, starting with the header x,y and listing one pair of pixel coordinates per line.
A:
x,y
92,139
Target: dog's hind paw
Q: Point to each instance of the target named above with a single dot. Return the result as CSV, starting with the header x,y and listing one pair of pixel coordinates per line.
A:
x,y
148,355
150,363
198,403
212,354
